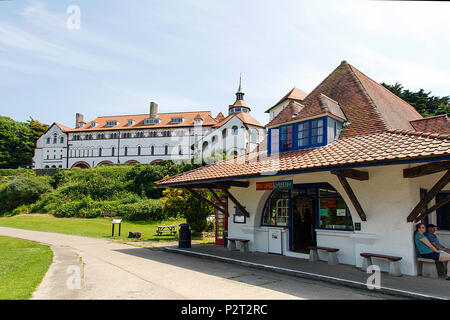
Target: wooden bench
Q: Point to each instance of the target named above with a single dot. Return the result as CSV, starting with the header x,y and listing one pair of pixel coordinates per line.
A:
x,y
108,213
332,254
166,229
394,262
232,244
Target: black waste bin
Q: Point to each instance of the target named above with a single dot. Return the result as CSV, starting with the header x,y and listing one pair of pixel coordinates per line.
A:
x,y
225,238
184,236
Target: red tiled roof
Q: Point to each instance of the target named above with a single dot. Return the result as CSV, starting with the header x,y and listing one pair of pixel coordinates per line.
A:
x,y
63,127
390,145
246,118
368,106
436,124
165,121
294,94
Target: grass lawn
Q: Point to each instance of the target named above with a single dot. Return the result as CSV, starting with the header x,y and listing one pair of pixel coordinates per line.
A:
x,y
97,227
23,264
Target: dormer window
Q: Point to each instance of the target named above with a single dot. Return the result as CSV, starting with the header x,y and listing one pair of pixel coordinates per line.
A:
x,y
93,124
198,121
300,135
130,122
176,120
111,123
151,121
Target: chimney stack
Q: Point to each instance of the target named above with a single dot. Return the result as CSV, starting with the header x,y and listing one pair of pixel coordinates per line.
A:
x,y
79,120
153,110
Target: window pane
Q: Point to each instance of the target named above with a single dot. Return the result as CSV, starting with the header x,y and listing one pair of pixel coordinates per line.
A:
x,y
277,209
333,212
317,131
303,134
286,137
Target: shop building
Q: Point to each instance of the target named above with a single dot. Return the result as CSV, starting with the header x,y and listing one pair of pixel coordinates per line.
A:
x,y
348,166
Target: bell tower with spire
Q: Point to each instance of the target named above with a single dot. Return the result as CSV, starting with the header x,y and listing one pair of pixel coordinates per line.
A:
x,y
239,105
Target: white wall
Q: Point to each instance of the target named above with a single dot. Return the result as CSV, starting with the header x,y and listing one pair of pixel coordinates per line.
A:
x,y
387,199
51,154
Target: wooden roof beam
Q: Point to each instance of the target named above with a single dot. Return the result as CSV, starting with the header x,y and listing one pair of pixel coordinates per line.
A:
x,y
426,169
352,174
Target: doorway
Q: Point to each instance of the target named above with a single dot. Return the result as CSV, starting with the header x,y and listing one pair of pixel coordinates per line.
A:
x,y
303,224
221,221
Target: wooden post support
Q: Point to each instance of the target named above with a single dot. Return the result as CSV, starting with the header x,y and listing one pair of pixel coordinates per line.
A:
x,y
441,203
416,212
243,210
199,196
214,194
351,195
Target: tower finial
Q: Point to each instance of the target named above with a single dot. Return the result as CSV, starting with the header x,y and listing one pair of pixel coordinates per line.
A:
x,y
240,78
239,93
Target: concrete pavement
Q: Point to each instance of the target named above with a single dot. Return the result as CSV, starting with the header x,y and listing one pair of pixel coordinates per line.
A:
x,y
90,268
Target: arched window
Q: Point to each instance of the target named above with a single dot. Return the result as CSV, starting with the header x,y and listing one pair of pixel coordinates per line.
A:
x,y
48,140
112,151
139,150
166,149
235,130
276,210
99,152
61,140
126,151
54,138
152,150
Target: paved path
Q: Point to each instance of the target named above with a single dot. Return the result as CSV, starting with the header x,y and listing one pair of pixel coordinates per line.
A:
x,y
110,270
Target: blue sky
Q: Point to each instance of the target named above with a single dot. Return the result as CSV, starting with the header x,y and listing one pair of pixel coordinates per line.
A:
x,y
186,55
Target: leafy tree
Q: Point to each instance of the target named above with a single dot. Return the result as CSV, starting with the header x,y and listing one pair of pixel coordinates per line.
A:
x,y
16,143
37,128
18,140
422,101
196,211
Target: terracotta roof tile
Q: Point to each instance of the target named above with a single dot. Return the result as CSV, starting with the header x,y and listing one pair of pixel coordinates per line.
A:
x,y
436,124
389,145
368,106
165,121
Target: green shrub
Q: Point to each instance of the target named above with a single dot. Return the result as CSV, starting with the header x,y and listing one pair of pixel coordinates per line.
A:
x,y
17,172
22,191
149,209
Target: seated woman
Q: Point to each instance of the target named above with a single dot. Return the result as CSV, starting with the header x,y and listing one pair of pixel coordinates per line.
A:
x,y
426,249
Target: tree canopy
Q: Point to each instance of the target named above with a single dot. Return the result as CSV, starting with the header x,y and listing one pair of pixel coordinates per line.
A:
x,y
18,141
426,104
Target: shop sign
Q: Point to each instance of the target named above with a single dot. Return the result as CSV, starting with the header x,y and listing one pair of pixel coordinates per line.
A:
x,y
267,185
284,185
331,204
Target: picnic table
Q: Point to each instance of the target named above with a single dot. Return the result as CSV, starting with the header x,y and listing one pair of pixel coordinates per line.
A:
x,y
166,229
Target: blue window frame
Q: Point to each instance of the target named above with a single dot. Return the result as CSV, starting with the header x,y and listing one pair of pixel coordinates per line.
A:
x,y
317,131
442,214
305,134
286,138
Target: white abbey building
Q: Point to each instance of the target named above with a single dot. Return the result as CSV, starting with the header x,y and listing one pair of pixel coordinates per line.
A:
x,y
149,138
